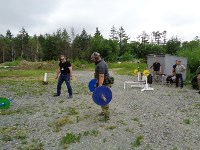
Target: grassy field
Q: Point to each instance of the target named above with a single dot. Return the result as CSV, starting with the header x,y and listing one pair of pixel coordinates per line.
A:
x,y
34,70
27,73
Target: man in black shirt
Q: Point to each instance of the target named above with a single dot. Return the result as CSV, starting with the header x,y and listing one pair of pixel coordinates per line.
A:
x,y
64,73
156,69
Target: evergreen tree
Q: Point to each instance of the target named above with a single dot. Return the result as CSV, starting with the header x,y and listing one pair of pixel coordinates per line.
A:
x,y
143,38
97,33
113,33
123,39
66,43
11,51
23,38
173,45
81,45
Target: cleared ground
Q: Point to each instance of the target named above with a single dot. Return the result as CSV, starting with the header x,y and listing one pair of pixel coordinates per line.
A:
x,y
164,119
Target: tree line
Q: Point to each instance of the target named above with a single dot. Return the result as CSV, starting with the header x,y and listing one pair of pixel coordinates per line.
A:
x,y
79,47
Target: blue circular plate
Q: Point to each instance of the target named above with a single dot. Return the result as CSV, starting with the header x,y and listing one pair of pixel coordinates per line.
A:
x,y
92,85
102,95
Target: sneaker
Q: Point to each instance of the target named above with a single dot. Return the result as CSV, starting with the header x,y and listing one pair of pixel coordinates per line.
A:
x,y
199,92
69,97
55,95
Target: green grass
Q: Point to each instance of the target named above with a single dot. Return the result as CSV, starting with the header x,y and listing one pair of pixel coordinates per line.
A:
x,y
137,142
80,88
129,129
37,69
175,148
72,111
122,122
136,119
21,73
187,121
13,63
70,138
60,122
126,68
13,133
92,133
197,106
20,110
35,144
111,127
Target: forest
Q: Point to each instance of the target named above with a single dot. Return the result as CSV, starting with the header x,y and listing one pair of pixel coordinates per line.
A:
x,y
118,47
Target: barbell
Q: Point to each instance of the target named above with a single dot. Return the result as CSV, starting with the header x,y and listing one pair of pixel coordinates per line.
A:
x,y
101,95
5,103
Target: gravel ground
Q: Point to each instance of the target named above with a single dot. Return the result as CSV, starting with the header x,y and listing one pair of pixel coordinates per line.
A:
x,y
167,118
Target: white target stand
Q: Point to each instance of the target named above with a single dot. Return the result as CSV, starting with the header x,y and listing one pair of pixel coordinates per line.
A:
x,y
146,86
141,83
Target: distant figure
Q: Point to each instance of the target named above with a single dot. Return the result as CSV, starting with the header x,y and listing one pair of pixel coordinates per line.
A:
x,y
174,68
179,70
156,69
198,76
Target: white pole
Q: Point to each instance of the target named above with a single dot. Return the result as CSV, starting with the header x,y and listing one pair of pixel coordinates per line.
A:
x,y
45,77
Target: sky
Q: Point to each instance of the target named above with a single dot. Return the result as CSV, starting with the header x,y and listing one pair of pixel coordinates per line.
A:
x,y
179,18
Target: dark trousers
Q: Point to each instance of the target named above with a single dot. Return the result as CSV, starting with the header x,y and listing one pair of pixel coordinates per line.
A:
x,y
179,76
61,79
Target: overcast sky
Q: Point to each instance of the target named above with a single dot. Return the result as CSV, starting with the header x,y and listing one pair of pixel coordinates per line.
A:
x,y
177,17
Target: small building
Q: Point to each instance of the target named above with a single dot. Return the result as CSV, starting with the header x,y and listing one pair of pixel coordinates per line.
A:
x,y
167,61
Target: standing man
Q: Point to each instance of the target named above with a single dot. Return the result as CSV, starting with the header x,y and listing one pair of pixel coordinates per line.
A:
x,y
198,76
174,68
64,73
101,74
156,69
179,70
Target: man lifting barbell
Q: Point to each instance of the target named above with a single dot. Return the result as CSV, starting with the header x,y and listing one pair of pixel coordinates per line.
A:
x,y
101,74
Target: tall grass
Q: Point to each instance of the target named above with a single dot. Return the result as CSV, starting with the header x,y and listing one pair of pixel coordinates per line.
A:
x,y
37,69
13,63
21,73
127,68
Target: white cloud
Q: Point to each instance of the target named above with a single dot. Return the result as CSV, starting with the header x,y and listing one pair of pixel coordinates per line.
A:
x,y
177,17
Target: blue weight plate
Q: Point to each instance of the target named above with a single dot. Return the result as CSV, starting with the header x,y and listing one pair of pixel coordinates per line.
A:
x,y
92,85
4,103
102,95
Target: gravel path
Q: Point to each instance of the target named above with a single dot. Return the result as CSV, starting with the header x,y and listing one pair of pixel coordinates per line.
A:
x,y
167,118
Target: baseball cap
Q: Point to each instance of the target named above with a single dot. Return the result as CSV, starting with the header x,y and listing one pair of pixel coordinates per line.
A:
x,y
95,54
